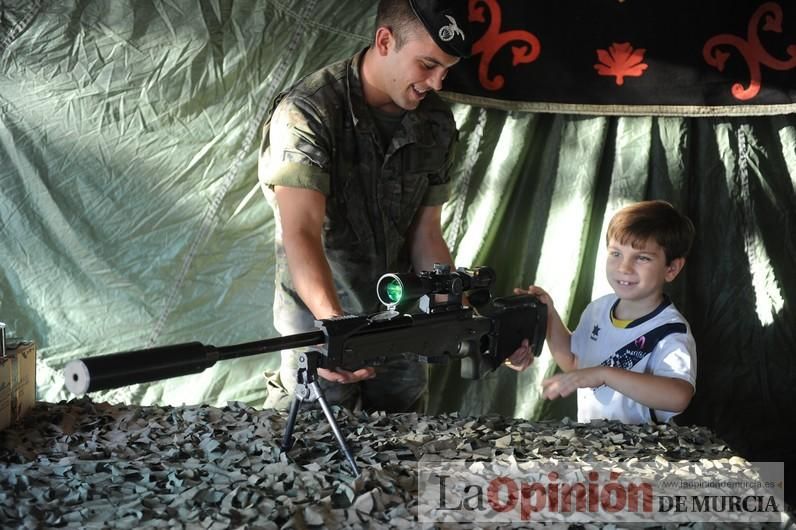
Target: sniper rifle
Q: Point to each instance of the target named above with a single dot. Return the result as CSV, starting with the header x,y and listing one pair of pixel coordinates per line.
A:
x,y
445,328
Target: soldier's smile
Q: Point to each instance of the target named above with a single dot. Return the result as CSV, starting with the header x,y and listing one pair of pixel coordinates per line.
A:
x,y
419,94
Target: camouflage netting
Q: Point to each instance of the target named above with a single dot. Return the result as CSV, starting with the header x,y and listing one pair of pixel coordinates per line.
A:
x,y
93,465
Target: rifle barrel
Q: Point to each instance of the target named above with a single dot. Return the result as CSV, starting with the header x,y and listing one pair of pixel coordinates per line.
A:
x,y
162,362
246,349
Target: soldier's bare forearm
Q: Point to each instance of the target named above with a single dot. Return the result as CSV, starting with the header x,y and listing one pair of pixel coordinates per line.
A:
x,y
302,212
312,276
427,246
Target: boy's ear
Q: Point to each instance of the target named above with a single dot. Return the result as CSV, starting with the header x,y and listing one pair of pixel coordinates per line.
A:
x,y
674,268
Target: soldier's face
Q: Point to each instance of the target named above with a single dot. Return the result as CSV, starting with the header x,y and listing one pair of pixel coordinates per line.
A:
x,y
418,67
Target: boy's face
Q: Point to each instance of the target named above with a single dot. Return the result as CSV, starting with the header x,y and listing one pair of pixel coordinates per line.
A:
x,y
638,274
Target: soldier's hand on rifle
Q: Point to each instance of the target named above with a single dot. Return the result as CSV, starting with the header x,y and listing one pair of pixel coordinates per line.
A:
x,y
522,357
338,375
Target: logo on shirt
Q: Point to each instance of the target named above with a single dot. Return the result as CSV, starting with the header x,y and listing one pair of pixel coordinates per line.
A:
x,y
446,33
595,332
633,352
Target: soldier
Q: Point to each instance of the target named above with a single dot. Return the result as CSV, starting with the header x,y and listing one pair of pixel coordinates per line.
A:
x,y
355,162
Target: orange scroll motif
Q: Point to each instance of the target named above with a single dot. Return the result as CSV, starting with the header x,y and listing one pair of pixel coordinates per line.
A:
x,y
493,40
751,50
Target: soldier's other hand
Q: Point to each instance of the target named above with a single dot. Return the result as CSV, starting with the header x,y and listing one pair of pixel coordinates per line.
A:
x,y
345,377
522,357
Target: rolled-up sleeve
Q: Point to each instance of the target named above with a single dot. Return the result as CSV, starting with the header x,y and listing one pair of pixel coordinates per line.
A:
x,y
295,150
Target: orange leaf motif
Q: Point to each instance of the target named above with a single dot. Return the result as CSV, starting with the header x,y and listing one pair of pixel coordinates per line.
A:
x,y
621,60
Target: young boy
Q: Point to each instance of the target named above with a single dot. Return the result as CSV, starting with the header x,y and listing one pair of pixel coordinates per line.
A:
x,y
632,357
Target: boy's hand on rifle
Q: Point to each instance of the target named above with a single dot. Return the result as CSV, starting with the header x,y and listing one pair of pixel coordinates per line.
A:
x,y
542,295
338,375
522,357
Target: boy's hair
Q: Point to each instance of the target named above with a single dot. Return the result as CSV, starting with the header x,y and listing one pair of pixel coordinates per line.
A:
x,y
399,17
652,220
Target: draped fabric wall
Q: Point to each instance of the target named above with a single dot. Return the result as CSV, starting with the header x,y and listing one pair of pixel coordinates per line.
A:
x,y
548,184
128,139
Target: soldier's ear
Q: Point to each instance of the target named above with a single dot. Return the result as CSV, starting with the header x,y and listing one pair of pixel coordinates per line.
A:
x,y
384,40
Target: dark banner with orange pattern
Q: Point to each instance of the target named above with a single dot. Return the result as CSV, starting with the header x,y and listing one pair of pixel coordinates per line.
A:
x,y
678,57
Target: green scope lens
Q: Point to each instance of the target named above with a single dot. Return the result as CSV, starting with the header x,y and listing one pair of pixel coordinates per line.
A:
x,y
400,288
394,290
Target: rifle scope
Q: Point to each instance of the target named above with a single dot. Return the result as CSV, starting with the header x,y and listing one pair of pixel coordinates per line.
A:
x,y
398,288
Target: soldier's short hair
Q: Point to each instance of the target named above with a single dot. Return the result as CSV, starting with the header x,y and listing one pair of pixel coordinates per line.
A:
x,y
399,17
655,221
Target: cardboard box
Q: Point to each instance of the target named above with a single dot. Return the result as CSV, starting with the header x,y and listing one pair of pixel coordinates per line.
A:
x,y
5,392
23,378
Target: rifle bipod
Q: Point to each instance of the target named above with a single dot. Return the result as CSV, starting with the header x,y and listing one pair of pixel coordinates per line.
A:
x,y
307,389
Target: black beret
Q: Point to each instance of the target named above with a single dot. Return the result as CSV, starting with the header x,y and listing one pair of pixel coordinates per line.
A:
x,y
447,23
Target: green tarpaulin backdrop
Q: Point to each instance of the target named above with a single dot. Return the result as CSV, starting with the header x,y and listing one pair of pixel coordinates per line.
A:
x,y
129,215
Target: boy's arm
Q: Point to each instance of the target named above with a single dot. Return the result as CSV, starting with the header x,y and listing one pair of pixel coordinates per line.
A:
x,y
559,341
559,338
653,391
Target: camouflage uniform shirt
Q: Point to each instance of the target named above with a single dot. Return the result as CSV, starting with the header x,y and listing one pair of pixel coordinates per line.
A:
x,y
322,136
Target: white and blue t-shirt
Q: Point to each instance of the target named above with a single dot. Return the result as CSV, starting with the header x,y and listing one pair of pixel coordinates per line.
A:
x,y
659,343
